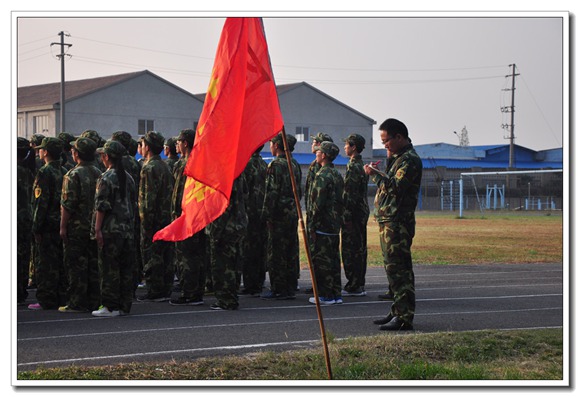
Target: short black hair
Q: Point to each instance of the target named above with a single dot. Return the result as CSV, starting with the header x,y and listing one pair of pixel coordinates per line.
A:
x,y
394,127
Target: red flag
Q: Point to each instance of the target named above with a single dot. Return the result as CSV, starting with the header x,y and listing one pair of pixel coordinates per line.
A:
x,y
240,113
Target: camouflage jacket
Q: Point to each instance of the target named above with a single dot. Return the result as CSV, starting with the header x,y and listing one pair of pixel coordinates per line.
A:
x,y
119,212
255,175
24,182
234,221
398,189
279,202
326,208
46,201
312,170
171,161
355,197
178,186
133,167
78,196
155,189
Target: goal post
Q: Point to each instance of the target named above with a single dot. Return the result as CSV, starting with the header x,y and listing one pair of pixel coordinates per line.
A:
x,y
472,174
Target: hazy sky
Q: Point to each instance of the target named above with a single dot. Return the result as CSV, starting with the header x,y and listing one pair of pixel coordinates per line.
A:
x,y
437,72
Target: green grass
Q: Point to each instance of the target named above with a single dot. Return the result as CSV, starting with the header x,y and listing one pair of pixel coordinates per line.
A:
x,y
479,355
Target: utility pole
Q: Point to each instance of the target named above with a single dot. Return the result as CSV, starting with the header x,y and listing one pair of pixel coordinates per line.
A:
x,y
62,82
511,109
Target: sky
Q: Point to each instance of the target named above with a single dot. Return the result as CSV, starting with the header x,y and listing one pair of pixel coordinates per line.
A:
x,y
438,72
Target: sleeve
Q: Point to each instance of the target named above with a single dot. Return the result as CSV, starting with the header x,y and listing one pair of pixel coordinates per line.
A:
x,y
41,196
69,197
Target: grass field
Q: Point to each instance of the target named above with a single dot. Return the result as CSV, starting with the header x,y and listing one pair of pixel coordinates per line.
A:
x,y
443,238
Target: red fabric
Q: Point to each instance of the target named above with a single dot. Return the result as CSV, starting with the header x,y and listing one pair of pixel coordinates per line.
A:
x,y
240,113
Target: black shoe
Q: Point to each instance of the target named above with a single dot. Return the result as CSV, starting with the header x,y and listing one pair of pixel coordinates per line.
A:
x,y
386,297
396,324
384,320
182,301
151,298
309,290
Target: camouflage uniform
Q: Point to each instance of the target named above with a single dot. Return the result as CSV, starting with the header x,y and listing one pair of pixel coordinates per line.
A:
x,y
190,254
116,265
25,178
395,204
354,229
324,219
279,213
67,159
254,260
133,167
225,234
50,275
313,168
80,251
155,189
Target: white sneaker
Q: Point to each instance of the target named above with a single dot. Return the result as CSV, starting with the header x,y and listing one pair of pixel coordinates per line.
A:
x,y
105,312
322,300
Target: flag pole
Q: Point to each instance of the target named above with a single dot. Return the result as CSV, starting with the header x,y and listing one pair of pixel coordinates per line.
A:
x,y
308,256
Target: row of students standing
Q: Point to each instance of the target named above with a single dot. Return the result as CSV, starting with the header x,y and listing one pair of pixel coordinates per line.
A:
x,y
126,203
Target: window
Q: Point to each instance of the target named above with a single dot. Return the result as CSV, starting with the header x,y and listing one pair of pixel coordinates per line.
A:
x,y
302,134
40,124
145,126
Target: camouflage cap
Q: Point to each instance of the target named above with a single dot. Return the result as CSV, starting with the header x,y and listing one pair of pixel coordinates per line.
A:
x,y
170,142
22,143
51,144
85,145
66,139
328,148
322,137
187,135
112,148
36,139
123,137
154,139
92,134
291,139
356,139
278,140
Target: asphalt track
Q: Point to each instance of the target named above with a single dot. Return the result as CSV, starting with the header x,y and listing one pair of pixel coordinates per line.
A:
x,y
449,298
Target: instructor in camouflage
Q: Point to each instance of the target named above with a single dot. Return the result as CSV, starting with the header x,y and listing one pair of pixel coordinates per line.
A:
x,y
395,203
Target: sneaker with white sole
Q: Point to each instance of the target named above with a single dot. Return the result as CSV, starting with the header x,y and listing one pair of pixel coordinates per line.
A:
x,y
354,293
105,312
322,300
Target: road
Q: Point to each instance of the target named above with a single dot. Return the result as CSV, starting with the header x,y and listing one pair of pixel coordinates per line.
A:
x,y
449,298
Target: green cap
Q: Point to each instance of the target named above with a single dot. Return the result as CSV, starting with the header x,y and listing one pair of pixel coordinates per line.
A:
x,y
356,139
154,139
36,139
123,137
92,134
112,148
187,135
85,145
328,148
51,144
322,137
291,140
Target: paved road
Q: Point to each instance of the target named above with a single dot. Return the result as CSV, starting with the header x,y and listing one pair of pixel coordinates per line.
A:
x,y
449,298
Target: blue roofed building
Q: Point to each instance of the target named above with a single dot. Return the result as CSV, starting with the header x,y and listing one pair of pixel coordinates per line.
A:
x,y
444,163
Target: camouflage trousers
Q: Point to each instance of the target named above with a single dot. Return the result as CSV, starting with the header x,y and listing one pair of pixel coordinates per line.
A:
x,y
354,254
190,257
225,256
396,240
325,252
82,265
24,240
254,260
281,256
158,269
51,279
116,273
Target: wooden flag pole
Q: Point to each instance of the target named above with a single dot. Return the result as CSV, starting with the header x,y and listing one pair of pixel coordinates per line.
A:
x,y
307,249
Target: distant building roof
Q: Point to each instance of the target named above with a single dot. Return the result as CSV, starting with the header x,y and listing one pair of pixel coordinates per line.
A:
x,y
483,156
48,95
